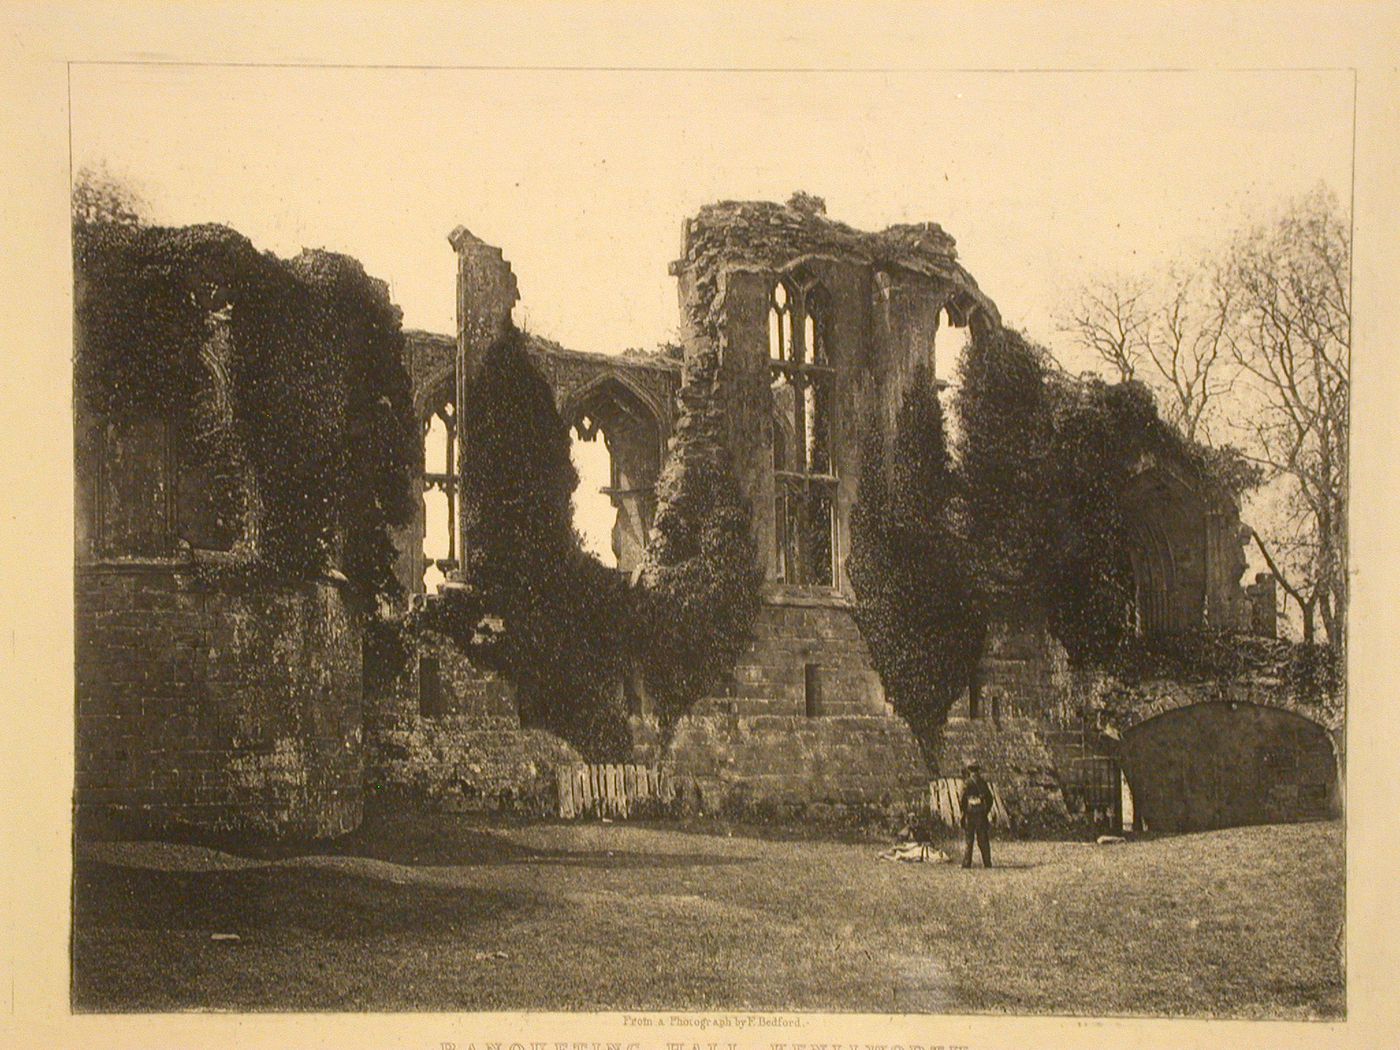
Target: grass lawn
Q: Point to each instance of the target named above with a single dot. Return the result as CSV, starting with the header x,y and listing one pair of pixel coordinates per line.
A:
x,y
445,913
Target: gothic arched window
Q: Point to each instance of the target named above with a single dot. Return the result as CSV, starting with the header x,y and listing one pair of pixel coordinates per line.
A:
x,y
440,494
780,304
803,391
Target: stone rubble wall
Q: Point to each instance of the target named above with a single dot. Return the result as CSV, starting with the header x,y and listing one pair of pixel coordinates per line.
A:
x,y
214,709
1014,758
448,765
470,754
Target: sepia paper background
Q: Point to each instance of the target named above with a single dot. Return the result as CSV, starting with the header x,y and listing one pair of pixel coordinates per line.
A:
x,y
37,43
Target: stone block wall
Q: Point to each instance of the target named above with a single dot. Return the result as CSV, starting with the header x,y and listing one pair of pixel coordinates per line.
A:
x,y
458,745
790,765
805,727
805,648
213,709
1023,673
1220,763
1014,758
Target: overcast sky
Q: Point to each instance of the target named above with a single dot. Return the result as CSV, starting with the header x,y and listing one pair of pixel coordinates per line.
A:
x,y
584,178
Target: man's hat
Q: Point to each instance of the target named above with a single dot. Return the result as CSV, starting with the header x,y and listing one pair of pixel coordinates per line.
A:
x,y
974,768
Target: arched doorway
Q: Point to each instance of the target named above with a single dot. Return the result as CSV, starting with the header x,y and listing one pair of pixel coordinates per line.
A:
x,y
1166,520
1218,764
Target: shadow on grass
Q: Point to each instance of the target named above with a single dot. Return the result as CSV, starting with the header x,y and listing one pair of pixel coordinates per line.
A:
x,y
327,903
438,843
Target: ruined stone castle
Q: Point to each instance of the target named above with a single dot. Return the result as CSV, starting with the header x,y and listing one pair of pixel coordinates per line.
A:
x,y
251,711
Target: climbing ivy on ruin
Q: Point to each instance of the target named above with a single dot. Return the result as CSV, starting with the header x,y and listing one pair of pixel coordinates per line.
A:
x,y
1004,415
915,601
321,414
1044,460
533,605
1085,574
356,317
1098,433
700,577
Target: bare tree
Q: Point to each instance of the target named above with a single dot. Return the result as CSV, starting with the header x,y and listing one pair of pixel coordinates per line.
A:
x,y
1109,320
99,197
1289,333
1183,343
1168,333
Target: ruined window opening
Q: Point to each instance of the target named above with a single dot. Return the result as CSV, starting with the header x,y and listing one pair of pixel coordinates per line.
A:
x,y
440,492
812,689
159,488
429,687
803,394
595,514
780,303
817,313
615,501
954,333
135,478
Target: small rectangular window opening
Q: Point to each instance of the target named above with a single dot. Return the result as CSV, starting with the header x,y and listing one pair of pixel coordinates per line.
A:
x,y
429,687
813,684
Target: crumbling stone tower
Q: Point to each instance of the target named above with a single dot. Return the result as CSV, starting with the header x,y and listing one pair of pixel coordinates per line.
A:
x,y
795,328
804,328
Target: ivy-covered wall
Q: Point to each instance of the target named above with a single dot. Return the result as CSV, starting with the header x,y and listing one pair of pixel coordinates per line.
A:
x,y
280,392
244,447
442,734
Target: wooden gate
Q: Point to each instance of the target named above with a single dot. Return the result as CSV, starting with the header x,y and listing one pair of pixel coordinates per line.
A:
x,y
613,790
945,795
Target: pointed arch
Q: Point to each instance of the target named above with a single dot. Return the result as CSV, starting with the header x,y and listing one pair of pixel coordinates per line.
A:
x,y
632,424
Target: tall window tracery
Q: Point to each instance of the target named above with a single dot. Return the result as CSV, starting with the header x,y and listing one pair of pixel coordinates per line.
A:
x,y
803,434
440,489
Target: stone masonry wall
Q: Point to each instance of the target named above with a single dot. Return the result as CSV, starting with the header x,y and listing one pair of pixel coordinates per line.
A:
x,y
463,749
791,765
804,727
795,632
1014,758
212,710
1219,764
1023,673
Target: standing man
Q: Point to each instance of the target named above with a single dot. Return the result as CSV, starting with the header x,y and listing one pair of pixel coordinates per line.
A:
x,y
976,801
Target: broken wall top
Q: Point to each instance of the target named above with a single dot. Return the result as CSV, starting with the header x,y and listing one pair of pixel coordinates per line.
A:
x,y
771,236
767,233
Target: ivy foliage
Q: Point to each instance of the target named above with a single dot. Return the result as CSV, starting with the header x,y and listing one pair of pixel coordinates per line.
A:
x,y
1004,415
1086,576
1312,676
700,577
381,445
533,606
320,403
701,580
1045,461
915,601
